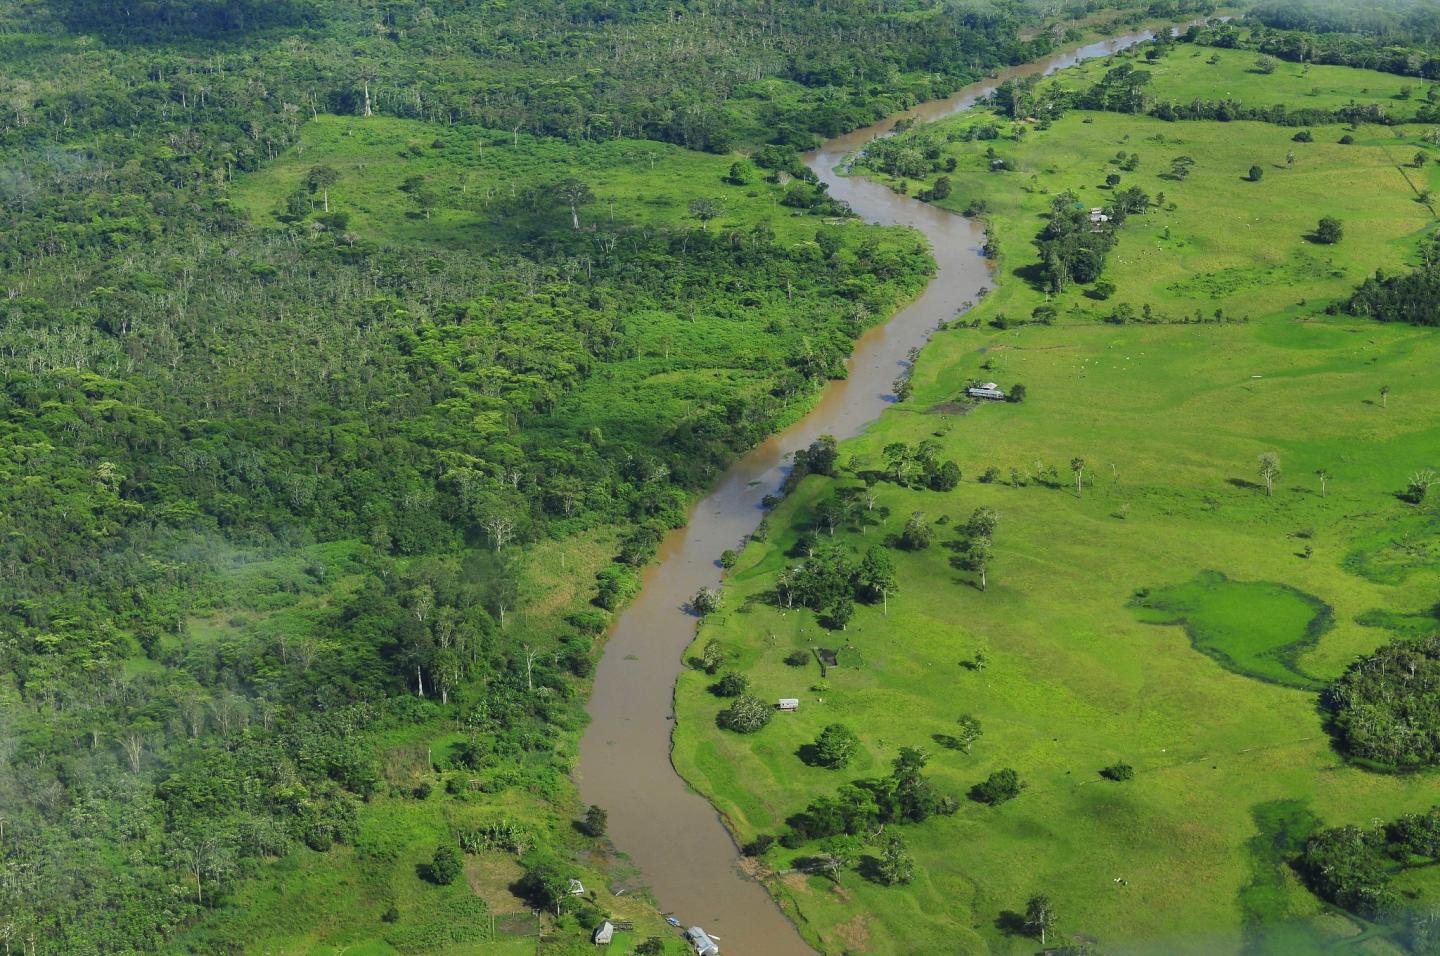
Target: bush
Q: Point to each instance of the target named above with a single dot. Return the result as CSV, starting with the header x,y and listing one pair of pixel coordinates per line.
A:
x,y
1256,174
758,846
597,820
1304,136
446,865
1347,140
1118,772
731,685
836,746
1000,786
747,715
1329,230
797,658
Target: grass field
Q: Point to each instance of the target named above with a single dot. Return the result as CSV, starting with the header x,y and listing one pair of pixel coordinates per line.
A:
x,y
1204,72
1233,766
1219,241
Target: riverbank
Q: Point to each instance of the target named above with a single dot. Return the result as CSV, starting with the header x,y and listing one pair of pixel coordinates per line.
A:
x,y
674,835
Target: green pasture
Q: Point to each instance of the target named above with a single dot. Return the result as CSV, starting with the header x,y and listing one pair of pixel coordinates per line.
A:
x,y
1219,241
1223,729
1210,73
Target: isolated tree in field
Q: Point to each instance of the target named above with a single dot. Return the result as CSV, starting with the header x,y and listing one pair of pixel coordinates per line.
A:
x,y
1289,158
967,732
976,556
320,179
1269,470
574,194
897,866
707,601
1329,230
731,684
1384,396
746,715
446,864
1420,160
1000,786
983,522
1040,917
836,746
1324,477
705,209
916,536
1256,174
1016,393
712,657
1077,465
1265,65
836,853
1419,485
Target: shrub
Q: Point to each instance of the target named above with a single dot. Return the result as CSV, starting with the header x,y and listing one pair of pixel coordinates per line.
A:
x,y
746,715
1256,174
1304,136
1329,230
731,684
1000,786
797,658
446,865
1118,772
597,820
835,746
1347,140
758,846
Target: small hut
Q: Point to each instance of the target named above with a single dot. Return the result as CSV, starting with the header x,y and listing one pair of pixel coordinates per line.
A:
x,y
603,934
789,703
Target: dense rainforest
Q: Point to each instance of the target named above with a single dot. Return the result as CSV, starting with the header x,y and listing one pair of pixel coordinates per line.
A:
x,y
270,487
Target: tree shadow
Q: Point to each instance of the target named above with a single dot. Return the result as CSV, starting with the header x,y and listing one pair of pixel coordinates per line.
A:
x,y
869,869
1010,923
809,755
1245,483
1032,274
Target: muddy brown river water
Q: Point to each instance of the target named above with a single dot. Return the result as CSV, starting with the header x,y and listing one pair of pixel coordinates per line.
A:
x,y
674,835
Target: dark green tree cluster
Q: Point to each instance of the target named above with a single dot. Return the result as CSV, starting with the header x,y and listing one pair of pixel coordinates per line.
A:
x,y
859,808
1353,867
829,581
1385,708
1073,246
1412,297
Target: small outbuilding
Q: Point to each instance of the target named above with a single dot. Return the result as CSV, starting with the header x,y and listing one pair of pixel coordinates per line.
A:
x,y
577,888
789,703
988,391
603,934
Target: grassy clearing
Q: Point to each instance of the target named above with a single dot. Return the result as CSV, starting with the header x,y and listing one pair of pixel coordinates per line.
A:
x,y
1192,72
477,174
1171,420
1218,242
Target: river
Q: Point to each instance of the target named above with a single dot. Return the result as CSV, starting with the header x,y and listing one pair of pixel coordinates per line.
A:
x,y
674,835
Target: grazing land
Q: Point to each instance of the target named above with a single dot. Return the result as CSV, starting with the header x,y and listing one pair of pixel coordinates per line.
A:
x,y
1164,613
